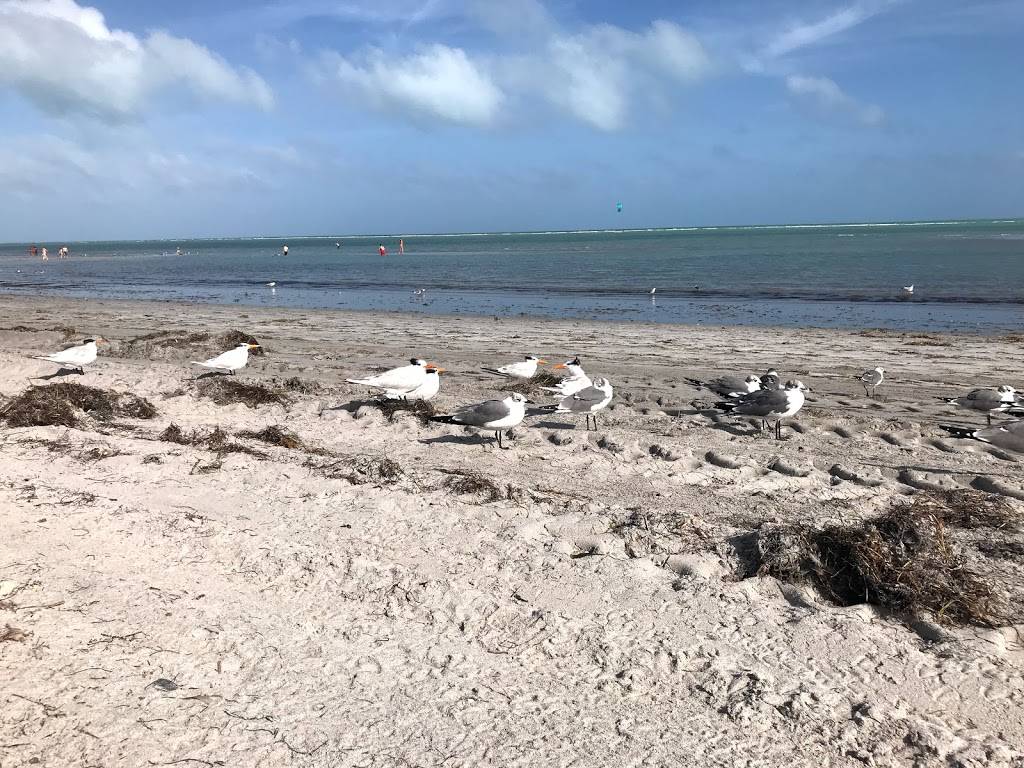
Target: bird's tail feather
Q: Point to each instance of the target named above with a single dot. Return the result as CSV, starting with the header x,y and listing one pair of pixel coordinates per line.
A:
x,y
364,382
495,371
694,382
726,405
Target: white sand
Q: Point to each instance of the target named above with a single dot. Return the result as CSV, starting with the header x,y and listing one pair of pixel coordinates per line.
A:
x,y
302,620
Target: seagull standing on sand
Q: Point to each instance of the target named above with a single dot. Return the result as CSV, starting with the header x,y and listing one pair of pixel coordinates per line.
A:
x,y
987,400
398,382
233,360
75,357
768,405
524,369
429,387
871,379
770,380
588,401
729,386
574,382
493,415
1009,437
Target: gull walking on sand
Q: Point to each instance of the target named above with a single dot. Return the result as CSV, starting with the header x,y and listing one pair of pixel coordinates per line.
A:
x,y
398,382
523,369
988,401
588,401
768,405
871,379
574,382
729,386
78,356
1009,437
492,415
233,360
429,387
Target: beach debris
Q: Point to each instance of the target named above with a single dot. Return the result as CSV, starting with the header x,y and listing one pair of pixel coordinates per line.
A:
x,y
360,469
904,560
532,385
275,435
421,409
13,634
468,483
228,391
176,344
216,440
60,405
163,684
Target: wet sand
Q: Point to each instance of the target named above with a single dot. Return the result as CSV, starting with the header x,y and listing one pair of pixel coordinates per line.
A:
x,y
179,607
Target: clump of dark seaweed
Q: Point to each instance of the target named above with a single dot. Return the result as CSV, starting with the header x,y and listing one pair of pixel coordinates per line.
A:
x,y
227,390
532,386
60,405
360,470
903,560
422,409
275,435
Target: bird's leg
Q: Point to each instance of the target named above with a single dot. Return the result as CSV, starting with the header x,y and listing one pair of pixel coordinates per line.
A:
x,y
989,417
497,436
778,429
595,422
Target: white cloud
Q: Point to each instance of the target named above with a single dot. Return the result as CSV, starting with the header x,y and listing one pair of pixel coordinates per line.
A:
x,y
805,34
65,59
595,75
438,82
826,95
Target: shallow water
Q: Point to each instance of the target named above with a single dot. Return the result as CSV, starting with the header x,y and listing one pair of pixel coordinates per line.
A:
x,y
967,275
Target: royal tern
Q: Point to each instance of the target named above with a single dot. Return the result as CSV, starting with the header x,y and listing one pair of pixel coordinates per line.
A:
x,y
398,382
871,379
1009,437
574,382
729,386
76,357
768,404
588,401
429,387
230,361
987,400
524,369
492,415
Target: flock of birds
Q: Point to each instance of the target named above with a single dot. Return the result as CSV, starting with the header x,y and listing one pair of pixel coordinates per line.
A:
x,y
764,398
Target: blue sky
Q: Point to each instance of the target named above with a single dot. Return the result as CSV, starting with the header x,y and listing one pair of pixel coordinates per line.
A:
x,y
132,119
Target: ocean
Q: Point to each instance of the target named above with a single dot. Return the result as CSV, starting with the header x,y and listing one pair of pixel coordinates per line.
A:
x,y
967,275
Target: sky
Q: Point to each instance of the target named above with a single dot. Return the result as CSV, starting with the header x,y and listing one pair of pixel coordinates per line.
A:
x,y
147,119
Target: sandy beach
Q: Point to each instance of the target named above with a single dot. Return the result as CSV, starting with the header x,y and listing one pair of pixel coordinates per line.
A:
x,y
589,598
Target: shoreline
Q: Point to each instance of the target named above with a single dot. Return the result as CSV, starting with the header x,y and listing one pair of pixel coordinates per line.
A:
x,y
402,588
1010,328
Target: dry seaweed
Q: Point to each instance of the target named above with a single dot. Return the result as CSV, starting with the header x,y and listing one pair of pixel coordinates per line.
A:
x,y
13,634
468,483
160,343
422,409
295,384
217,441
275,435
902,561
225,390
59,404
531,386
360,470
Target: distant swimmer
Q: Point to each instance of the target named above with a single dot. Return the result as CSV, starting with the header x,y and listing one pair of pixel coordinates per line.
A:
x,y
337,245
33,251
381,249
284,250
401,246
177,252
46,256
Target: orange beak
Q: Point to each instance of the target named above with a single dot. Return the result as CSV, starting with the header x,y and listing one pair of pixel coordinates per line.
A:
x,y
440,370
542,362
559,365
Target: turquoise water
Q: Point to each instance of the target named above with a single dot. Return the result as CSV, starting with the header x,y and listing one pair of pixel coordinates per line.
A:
x,y
967,275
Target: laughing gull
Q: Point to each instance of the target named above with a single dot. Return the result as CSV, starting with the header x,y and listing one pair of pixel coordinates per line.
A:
x,y
492,415
524,369
398,382
871,379
729,386
768,404
1009,437
230,361
429,387
574,382
588,401
75,357
770,380
986,400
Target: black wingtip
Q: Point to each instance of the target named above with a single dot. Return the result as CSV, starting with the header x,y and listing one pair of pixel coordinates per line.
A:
x,y
967,432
